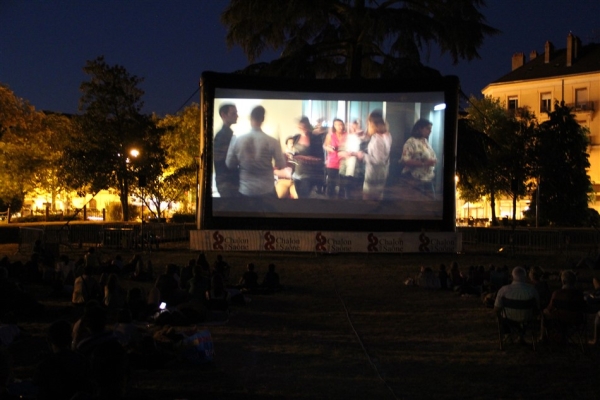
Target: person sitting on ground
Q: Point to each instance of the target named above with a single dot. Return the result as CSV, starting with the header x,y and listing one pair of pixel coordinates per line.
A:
x,y
222,267
198,286
249,280
132,265
271,279
427,279
566,306
186,274
443,277
85,288
64,373
592,298
536,275
519,289
92,260
126,331
456,277
114,295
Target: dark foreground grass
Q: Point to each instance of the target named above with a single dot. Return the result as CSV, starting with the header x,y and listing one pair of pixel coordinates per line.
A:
x,y
346,327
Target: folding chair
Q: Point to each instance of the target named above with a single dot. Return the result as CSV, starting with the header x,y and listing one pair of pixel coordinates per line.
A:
x,y
568,322
515,318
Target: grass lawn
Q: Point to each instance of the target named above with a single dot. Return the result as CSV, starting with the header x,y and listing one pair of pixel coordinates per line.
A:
x,y
346,327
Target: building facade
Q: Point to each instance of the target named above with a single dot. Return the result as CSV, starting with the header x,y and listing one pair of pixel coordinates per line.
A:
x,y
570,74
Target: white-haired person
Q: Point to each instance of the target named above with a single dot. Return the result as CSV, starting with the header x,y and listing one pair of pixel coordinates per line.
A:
x,y
518,289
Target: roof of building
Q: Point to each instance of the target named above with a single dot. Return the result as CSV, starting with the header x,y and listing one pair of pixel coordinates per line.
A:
x,y
588,60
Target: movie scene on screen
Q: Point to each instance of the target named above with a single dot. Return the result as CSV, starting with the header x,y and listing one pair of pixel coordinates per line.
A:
x,y
328,152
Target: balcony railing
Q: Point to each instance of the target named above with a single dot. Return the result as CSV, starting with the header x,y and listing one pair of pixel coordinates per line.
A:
x,y
581,106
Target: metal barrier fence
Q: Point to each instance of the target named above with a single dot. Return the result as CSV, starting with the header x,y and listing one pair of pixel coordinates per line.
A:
x,y
106,235
531,241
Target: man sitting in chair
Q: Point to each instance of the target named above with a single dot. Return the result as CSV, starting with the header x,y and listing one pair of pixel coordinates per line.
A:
x,y
520,290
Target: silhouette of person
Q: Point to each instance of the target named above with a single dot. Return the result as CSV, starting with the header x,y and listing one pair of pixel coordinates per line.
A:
x,y
227,180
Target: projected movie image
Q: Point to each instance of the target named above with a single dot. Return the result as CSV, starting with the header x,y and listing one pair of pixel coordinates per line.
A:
x,y
328,155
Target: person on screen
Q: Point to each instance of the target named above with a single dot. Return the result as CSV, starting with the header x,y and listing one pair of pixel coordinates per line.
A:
x,y
254,154
308,155
377,157
334,145
227,179
352,170
418,158
284,186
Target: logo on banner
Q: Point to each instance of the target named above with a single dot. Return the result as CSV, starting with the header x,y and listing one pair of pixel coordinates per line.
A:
x,y
321,242
424,246
269,241
218,241
373,241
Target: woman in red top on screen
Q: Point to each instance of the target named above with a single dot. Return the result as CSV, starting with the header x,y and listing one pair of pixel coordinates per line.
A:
x,y
334,145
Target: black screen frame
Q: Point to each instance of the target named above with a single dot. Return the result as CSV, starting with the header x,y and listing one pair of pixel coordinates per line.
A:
x,y
211,81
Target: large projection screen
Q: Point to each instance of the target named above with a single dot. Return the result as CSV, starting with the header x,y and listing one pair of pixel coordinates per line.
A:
x,y
327,154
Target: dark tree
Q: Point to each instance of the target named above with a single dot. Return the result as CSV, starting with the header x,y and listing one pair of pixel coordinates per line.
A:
x,y
562,160
353,38
111,126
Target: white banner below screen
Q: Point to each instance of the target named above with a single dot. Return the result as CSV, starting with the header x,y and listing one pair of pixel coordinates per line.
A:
x,y
326,242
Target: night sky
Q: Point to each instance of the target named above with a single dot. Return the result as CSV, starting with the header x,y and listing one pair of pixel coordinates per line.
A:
x,y
45,44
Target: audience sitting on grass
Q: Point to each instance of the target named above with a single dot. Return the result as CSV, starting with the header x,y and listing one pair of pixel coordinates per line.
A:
x,y
498,278
125,330
92,260
142,273
222,267
592,298
14,301
137,304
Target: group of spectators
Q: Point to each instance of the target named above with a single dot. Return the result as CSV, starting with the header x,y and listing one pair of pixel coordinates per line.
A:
x,y
112,329
567,305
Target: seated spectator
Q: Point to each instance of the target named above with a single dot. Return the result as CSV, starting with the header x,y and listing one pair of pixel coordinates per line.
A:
x,y
65,270
595,340
127,333
64,373
137,304
199,285
271,279
85,288
93,324
142,273
186,274
567,306
114,295
14,301
221,267
132,265
203,262
592,298
443,277
536,275
79,331
249,280
519,289
92,260
498,278
427,279
456,278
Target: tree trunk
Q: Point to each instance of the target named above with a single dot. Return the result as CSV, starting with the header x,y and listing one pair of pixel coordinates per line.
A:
x,y
493,205
514,205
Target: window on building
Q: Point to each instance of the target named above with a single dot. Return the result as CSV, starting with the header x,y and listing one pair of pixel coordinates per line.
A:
x,y
546,102
581,99
513,103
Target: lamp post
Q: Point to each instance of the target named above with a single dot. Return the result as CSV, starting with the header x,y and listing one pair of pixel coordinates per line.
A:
x,y
141,183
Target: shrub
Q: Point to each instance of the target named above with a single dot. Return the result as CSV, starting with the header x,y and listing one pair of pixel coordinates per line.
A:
x,y
182,217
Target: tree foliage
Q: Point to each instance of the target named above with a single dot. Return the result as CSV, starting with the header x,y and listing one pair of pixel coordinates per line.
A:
x,y
353,38
110,127
561,161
